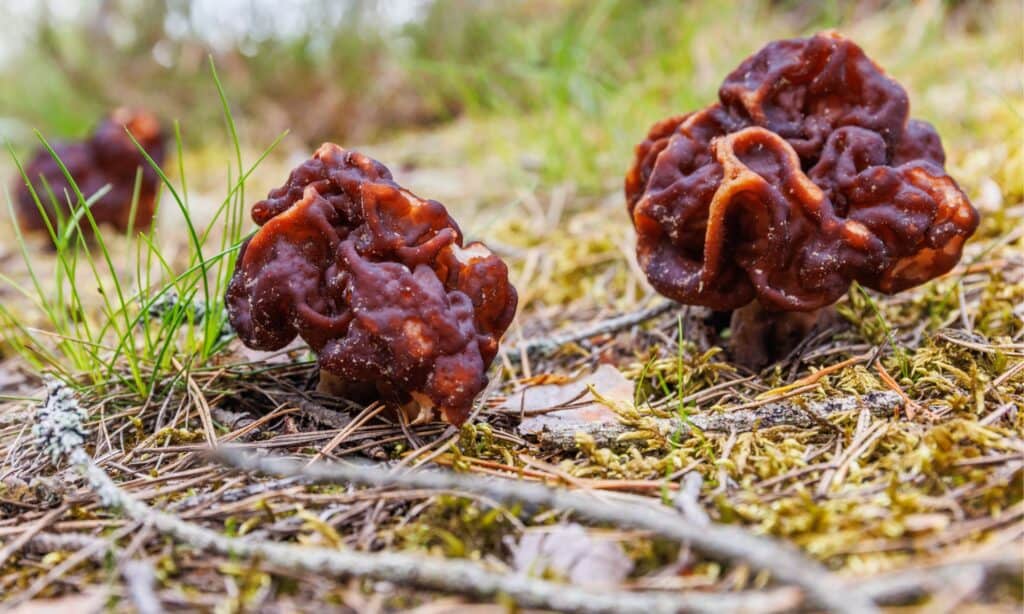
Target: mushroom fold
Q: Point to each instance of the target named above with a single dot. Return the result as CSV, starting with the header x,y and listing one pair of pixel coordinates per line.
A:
x,y
805,176
376,280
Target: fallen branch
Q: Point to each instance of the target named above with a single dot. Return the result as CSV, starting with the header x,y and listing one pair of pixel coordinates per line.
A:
x,y
909,585
425,572
323,415
545,345
141,580
785,563
19,542
777,413
45,543
57,571
232,495
61,434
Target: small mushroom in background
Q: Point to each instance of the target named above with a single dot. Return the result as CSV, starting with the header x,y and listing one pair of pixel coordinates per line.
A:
x,y
108,157
805,176
377,281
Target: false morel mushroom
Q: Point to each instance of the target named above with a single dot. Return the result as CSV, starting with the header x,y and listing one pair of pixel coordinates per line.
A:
x,y
106,159
377,281
805,176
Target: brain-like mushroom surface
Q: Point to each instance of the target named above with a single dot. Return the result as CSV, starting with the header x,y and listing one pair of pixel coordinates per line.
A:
x,y
107,158
376,280
805,176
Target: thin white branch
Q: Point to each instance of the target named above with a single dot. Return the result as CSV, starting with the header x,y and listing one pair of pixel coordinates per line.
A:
x,y
784,562
425,572
141,580
909,585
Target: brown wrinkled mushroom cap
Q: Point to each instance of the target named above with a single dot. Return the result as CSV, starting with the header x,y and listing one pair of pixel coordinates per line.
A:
x,y
806,176
376,280
107,157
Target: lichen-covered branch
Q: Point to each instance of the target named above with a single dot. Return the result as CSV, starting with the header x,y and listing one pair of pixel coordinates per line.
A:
x,y
784,562
909,585
432,573
64,436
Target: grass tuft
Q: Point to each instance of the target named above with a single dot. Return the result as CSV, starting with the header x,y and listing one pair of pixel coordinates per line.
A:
x,y
165,312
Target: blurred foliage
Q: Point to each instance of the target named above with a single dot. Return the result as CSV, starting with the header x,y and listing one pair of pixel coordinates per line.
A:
x,y
572,83
154,54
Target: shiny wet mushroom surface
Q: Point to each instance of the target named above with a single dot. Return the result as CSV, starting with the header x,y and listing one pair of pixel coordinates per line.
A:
x,y
806,176
377,281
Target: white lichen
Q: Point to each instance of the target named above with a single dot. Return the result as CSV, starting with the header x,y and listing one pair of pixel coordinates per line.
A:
x,y
59,427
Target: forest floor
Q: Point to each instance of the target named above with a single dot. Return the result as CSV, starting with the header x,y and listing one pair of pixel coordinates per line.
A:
x,y
886,450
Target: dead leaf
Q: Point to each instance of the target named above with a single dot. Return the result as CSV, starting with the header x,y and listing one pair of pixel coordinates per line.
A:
x,y
581,406
571,552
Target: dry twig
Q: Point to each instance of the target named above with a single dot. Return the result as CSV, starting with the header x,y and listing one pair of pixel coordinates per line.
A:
x,y
767,415
546,345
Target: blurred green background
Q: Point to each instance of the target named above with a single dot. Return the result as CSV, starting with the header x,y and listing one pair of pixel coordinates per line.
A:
x,y
559,90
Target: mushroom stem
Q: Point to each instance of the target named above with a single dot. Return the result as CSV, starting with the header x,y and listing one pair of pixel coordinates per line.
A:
x,y
359,392
332,384
761,336
419,409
